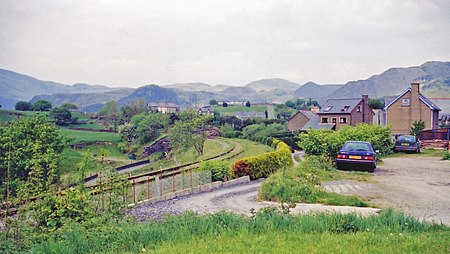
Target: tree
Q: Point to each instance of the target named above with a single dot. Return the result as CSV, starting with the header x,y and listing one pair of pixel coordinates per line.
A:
x,y
247,104
69,106
417,127
149,126
111,112
213,102
376,103
29,152
189,131
42,105
137,106
225,105
24,106
86,163
61,115
128,133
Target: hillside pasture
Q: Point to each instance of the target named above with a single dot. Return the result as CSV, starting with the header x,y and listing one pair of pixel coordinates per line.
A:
x,y
77,136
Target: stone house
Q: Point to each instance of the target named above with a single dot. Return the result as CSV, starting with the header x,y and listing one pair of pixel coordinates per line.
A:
x,y
164,108
345,112
409,107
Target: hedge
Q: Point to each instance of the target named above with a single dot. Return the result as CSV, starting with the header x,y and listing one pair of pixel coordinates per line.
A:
x,y
265,164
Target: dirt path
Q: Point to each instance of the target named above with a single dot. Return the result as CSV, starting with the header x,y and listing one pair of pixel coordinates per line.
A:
x,y
419,186
241,199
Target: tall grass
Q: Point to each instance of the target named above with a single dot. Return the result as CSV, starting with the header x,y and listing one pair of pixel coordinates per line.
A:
x,y
88,136
225,232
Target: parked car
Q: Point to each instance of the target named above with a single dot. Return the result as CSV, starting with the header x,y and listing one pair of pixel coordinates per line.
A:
x,y
356,155
407,143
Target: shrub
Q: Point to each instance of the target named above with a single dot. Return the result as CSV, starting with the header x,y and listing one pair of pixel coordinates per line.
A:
x,y
326,142
265,164
220,170
446,156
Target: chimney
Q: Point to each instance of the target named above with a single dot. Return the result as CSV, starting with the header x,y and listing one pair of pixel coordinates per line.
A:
x,y
315,109
415,90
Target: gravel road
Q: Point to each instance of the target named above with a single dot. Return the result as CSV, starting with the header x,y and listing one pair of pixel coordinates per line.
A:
x,y
239,199
419,186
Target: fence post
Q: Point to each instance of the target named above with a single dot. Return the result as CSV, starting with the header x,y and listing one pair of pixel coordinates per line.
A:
x,y
173,183
134,191
190,178
182,179
148,188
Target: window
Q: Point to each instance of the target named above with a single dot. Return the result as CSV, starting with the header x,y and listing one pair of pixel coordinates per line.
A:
x,y
333,120
358,109
405,102
345,108
324,119
327,108
343,120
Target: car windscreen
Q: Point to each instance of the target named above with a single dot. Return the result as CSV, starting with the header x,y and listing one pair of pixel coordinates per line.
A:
x,y
355,146
407,138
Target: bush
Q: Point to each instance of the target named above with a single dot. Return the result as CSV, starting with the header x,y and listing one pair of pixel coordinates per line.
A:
x,y
220,170
326,142
265,164
446,156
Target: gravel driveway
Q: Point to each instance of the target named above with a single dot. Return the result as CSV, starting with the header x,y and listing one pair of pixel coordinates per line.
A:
x,y
419,186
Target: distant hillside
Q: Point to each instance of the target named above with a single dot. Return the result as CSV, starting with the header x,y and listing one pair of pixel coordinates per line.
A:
x,y
16,87
200,87
431,75
315,91
271,84
83,100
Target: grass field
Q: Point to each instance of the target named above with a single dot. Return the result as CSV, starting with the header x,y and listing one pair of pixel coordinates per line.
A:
x,y
89,136
267,232
231,109
251,148
10,115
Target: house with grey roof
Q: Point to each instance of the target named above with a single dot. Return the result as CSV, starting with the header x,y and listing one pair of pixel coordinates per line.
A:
x,y
408,107
345,112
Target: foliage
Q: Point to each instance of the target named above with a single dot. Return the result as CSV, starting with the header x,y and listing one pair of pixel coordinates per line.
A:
x,y
326,142
302,184
417,127
265,164
376,103
301,104
188,131
111,112
269,231
86,164
147,126
138,106
42,105
128,134
24,106
69,106
446,156
213,102
29,151
262,133
61,115
220,170
228,132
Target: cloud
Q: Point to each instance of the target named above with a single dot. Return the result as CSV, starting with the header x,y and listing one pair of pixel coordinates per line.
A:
x,y
131,43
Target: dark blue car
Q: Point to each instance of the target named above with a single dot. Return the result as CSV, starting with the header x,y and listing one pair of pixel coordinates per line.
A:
x,y
357,155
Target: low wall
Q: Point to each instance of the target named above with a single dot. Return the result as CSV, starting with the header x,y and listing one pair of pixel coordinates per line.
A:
x,y
195,190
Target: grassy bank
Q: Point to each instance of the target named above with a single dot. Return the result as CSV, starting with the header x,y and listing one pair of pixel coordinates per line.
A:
x,y
232,109
268,232
302,184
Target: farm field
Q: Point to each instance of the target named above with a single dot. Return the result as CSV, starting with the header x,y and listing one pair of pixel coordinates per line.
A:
x,y
10,115
88,136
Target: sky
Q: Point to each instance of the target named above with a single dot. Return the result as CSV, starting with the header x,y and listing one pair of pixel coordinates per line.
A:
x,y
139,42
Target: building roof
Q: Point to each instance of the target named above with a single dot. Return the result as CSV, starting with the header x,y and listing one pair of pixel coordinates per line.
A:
x,y
247,115
427,102
309,114
162,104
339,106
314,124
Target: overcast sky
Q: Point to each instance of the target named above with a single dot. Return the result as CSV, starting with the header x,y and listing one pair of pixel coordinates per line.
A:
x,y
134,43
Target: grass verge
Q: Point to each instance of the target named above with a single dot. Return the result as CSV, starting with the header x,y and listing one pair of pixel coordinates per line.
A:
x,y
267,232
302,184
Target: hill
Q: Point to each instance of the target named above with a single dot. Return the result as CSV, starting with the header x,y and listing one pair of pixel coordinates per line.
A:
x,y
200,87
432,76
18,87
271,84
315,91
